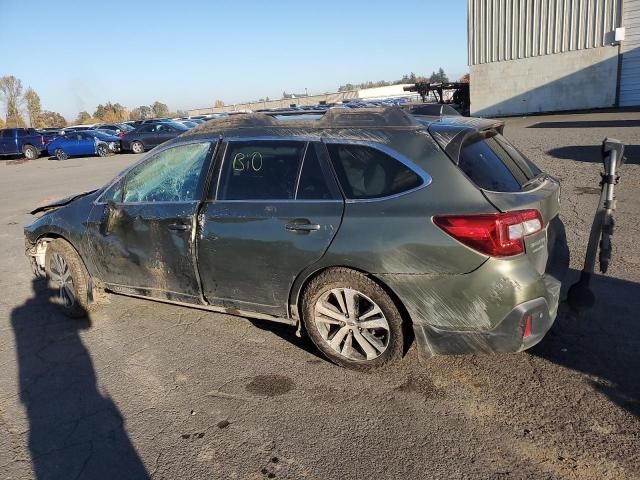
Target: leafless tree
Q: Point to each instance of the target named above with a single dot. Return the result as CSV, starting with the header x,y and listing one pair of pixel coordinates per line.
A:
x,y
11,89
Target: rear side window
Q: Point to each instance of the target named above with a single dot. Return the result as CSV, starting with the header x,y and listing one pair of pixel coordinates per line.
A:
x,y
260,170
366,172
314,182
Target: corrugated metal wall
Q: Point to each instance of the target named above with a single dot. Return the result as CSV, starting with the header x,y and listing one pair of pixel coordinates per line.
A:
x,y
630,70
511,29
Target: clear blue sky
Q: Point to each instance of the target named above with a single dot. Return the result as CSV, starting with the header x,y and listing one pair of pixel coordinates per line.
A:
x,y
189,53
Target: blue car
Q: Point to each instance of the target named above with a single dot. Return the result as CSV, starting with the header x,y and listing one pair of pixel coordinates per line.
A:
x,y
87,142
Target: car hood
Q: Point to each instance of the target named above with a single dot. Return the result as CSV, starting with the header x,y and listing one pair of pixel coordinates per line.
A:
x,y
45,207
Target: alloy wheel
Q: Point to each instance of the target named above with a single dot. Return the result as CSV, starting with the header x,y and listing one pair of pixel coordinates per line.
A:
x,y
352,324
60,275
137,147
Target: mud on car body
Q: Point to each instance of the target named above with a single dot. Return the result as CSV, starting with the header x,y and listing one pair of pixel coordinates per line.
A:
x,y
358,227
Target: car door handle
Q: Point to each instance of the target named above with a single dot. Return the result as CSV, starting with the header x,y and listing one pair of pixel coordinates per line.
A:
x,y
179,227
302,226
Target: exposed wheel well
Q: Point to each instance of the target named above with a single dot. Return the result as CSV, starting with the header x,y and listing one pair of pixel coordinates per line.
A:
x,y
295,306
40,248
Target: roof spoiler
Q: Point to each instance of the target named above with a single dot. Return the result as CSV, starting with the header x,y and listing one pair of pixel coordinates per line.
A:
x,y
451,133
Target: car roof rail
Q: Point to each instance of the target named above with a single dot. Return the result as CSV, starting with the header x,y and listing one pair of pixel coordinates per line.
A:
x,y
357,117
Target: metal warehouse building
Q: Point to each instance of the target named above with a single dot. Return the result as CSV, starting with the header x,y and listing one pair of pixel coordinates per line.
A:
x,y
530,56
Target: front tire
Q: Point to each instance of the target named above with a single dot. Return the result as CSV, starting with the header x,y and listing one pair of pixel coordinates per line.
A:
x,y
61,154
102,150
30,152
137,147
352,320
68,277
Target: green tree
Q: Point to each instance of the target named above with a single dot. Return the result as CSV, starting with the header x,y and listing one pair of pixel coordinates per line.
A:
x,y
159,109
11,90
140,113
111,112
83,117
34,108
53,119
439,76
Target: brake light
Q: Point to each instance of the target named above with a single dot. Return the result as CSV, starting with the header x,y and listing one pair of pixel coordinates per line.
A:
x,y
41,140
495,234
528,322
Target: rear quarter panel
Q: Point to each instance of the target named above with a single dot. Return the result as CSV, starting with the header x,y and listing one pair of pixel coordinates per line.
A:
x,y
397,235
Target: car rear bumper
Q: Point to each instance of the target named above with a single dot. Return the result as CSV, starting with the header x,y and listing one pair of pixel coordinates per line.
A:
x,y
485,311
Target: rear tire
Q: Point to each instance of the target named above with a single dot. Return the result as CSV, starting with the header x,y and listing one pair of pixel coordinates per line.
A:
x,y
68,277
30,152
352,320
137,147
61,154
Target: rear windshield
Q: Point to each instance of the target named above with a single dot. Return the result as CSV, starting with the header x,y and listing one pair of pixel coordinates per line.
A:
x,y
492,163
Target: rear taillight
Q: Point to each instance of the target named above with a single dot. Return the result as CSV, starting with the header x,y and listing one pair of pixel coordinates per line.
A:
x,y
495,234
528,322
41,140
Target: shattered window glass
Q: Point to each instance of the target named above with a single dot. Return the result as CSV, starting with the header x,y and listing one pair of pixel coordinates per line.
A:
x,y
169,176
114,193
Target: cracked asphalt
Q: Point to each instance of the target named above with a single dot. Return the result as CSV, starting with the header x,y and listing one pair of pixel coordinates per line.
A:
x,y
143,389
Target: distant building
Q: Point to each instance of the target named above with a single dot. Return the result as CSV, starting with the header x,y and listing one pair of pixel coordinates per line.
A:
x,y
530,56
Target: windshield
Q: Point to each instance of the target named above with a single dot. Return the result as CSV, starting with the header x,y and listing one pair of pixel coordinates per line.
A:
x,y
177,125
102,135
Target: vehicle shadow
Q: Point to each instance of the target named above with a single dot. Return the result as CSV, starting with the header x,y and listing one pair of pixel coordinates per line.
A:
x,y
75,431
288,333
615,123
593,153
603,343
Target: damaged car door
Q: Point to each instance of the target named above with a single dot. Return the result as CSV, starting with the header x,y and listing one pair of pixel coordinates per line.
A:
x,y
142,228
276,209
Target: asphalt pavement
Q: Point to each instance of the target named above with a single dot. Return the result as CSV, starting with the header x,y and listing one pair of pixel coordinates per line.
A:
x,y
143,389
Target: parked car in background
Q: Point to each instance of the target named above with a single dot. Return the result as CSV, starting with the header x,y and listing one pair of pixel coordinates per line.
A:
x,y
150,135
90,142
79,128
115,128
151,120
26,141
355,239
187,123
51,131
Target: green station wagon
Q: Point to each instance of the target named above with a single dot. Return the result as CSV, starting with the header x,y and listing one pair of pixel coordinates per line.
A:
x,y
365,229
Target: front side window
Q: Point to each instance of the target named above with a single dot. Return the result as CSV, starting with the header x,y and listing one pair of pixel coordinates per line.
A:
x,y
366,172
172,175
260,170
114,193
